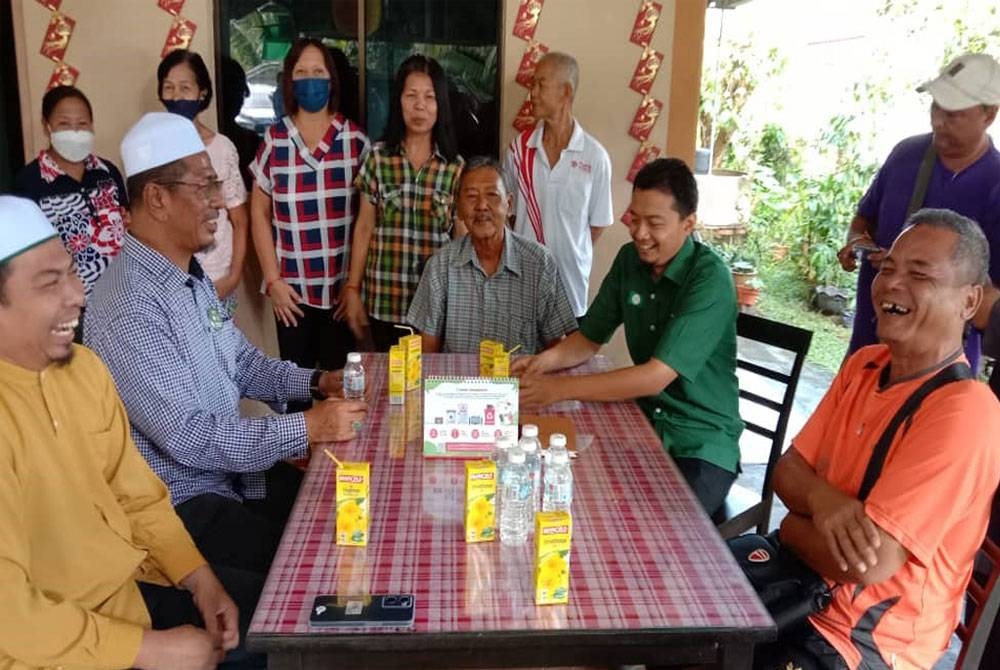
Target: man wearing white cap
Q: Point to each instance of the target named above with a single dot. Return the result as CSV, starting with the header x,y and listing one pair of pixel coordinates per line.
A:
x,y
181,365
955,167
81,514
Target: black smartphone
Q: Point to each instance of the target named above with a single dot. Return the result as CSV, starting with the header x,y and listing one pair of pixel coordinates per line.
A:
x,y
382,611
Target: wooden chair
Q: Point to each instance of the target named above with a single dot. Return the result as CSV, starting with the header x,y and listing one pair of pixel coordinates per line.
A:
x,y
743,508
986,599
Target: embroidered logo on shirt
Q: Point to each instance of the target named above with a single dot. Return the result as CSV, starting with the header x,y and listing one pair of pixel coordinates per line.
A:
x,y
580,165
634,299
214,318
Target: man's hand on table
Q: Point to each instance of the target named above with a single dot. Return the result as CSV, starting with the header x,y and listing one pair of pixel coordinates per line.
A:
x,y
541,390
334,420
534,364
852,537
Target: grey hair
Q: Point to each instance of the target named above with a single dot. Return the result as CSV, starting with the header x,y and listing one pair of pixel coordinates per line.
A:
x,y
481,163
972,251
567,67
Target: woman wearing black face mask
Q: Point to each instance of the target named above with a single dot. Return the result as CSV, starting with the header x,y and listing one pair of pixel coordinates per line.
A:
x,y
185,89
81,194
302,209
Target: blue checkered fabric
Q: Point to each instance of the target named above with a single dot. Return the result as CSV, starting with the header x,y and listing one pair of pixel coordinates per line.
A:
x,y
181,366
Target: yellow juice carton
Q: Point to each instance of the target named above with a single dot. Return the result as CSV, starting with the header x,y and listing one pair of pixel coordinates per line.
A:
x,y
501,363
352,504
413,346
553,532
397,374
480,501
487,349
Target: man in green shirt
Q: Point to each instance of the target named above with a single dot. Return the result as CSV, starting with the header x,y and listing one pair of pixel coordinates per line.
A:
x,y
677,302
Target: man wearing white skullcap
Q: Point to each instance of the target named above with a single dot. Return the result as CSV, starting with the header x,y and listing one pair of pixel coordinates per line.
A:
x,y
81,513
182,366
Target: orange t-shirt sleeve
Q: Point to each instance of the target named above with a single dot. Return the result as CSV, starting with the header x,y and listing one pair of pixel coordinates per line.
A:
x,y
941,472
818,430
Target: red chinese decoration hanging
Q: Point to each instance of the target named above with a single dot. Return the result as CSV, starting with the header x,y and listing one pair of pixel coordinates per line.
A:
x,y
172,7
526,70
527,19
56,42
646,153
645,71
645,118
64,74
645,23
180,35
525,119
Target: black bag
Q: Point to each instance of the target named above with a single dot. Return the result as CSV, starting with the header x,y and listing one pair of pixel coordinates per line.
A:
x,y
789,589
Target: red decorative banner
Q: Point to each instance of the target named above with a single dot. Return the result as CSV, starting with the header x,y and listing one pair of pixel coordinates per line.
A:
x,y
57,37
525,119
171,6
51,5
645,71
527,19
646,153
180,35
645,118
64,74
526,70
645,23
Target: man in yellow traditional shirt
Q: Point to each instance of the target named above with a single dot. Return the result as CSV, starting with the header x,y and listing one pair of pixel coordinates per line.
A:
x,y
82,517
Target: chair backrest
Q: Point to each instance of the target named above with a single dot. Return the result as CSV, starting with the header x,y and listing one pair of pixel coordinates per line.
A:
x,y
986,599
781,372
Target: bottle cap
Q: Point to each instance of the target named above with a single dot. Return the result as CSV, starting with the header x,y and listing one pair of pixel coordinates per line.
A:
x,y
515,456
528,445
557,440
354,357
529,430
505,442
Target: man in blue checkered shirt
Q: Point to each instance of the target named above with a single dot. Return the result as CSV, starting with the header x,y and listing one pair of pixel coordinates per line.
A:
x,y
181,365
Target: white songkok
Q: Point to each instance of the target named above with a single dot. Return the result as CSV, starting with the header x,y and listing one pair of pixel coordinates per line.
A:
x,y
159,138
22,226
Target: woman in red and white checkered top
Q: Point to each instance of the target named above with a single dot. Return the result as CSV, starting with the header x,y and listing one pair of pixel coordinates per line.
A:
x,y
303,207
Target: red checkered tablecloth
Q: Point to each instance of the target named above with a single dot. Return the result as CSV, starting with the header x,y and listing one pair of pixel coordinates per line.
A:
x,y
644,555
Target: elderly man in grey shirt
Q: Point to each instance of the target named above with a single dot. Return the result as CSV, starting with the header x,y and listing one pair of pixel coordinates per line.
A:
x,y
491,284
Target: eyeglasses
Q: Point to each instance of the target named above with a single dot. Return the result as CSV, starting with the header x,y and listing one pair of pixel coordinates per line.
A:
x,y
206,189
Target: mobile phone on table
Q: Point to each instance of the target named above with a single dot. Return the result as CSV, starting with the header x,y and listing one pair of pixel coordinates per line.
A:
x,y
382,610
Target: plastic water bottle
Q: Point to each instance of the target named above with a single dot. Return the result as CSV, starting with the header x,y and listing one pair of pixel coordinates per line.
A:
x,y
531,447
354,377
515,500
557,442
558,481
503,446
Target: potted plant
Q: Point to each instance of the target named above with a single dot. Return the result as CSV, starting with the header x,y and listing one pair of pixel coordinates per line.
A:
x,y
747,283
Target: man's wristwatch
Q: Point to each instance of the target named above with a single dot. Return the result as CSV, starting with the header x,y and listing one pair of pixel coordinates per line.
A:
x,y
314,389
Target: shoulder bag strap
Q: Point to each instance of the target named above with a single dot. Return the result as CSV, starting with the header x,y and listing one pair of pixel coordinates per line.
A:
x,y
953,373
923,179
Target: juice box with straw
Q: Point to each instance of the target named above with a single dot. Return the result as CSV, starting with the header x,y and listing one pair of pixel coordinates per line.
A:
x,y
397,374
480,501
413,346
553,533
352,504
501,362
487,349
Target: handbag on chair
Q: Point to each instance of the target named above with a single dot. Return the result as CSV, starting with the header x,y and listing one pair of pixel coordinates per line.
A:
x,y
789,589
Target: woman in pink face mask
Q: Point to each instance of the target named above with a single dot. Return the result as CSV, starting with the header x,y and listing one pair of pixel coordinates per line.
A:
x,y
82,194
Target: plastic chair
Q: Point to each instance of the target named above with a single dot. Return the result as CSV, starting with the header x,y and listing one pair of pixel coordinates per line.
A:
x,y
744,509
986,598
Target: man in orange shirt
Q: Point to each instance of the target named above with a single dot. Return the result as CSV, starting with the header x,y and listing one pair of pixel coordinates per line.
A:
x,y
902,557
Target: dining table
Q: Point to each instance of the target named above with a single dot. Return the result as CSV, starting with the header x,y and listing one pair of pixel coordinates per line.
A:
x,y
651,581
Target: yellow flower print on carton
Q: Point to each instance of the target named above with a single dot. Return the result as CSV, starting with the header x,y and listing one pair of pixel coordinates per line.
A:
x,y
553,535
480,501
352,504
